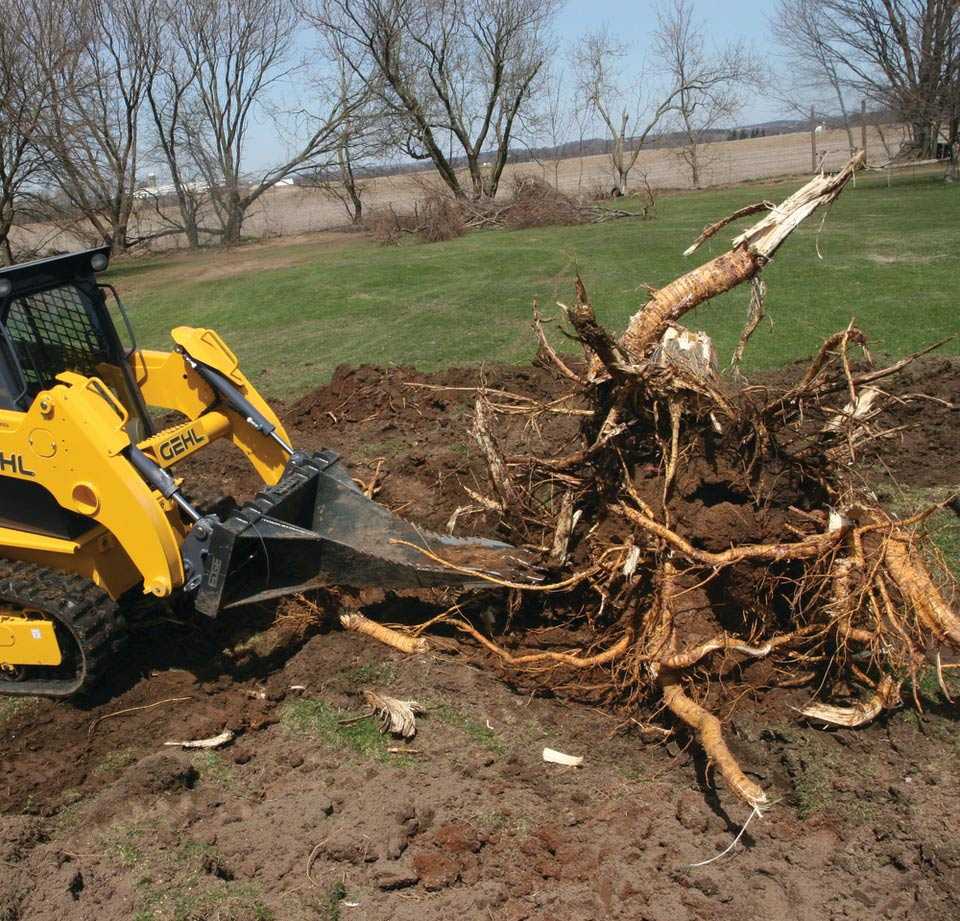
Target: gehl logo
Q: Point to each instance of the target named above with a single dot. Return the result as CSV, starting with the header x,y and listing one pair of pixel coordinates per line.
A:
x,y
181,444
13,463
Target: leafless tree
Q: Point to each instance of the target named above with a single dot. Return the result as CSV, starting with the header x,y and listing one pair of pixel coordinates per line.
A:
x,y
347,188
94,76
21,107
363,135
812,71
234,55
553,123
175,122
901,54
624,105
451,72
708,83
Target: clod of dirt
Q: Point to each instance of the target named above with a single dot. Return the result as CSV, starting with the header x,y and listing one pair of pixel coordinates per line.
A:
x,y
160,773
436,871
348,848
395,845
19,834
449,855
457,838
392,878
75,885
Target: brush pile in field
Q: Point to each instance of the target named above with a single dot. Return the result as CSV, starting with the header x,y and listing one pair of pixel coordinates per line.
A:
x,y
699,522
532,203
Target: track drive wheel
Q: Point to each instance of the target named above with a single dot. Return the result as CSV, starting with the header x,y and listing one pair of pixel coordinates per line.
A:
x,y
87,624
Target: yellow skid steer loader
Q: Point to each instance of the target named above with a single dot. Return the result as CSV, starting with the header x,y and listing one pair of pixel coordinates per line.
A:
x,y
90,510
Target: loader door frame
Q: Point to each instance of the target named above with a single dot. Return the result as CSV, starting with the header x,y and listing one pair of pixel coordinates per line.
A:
x,y
84,330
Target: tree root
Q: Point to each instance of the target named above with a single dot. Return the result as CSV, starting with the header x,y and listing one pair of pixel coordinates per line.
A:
x,y
575,579
919,590
710,736
815,545
885,697
570,660
399,641
550,357
690,657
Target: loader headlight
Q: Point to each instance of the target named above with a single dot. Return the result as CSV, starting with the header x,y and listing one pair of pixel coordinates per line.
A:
x,y
6,286
99,262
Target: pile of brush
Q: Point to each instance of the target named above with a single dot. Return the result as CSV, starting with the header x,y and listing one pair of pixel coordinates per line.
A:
x,y
702,522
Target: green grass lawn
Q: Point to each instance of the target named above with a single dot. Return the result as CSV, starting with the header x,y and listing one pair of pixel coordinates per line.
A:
x,y
292,312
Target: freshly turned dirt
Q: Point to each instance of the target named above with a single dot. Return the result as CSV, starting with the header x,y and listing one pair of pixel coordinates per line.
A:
x,y
98,820
928,449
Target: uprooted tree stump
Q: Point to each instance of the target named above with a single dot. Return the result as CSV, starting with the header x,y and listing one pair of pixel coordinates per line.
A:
x,y
702,522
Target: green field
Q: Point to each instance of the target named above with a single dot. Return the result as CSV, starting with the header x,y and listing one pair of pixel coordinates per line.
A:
x,y
293,311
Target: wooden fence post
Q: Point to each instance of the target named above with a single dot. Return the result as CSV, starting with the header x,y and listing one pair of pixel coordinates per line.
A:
x,y
813,139
863,128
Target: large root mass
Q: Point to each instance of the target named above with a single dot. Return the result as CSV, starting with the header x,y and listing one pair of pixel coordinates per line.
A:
x,y
701,522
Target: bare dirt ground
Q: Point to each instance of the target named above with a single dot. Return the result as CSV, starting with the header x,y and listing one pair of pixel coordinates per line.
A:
x,y
308,817
287,211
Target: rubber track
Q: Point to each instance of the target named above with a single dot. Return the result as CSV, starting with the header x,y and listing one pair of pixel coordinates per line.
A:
x,y
86,611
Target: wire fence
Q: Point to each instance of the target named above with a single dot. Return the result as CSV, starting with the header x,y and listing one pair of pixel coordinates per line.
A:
x,y
288,211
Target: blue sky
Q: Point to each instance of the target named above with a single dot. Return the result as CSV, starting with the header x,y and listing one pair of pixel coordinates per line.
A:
x,y
731,20
727,20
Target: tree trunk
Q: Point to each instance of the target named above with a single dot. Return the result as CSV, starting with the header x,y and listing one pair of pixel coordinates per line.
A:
x,y
751,251
349,182
447,173
580,157
476,179
922,137
191,232
236,209
357,206
953,171
491,182
619,169
849,130
188,215
6,225
118,238
233,226
843,113
7,248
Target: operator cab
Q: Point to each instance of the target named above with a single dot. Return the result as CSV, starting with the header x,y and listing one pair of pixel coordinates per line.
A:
x,y
54,317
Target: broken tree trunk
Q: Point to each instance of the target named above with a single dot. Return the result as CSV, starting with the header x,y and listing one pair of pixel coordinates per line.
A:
x,y
751,251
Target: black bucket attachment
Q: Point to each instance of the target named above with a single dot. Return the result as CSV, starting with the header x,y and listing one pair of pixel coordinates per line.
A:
x,y
316,528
